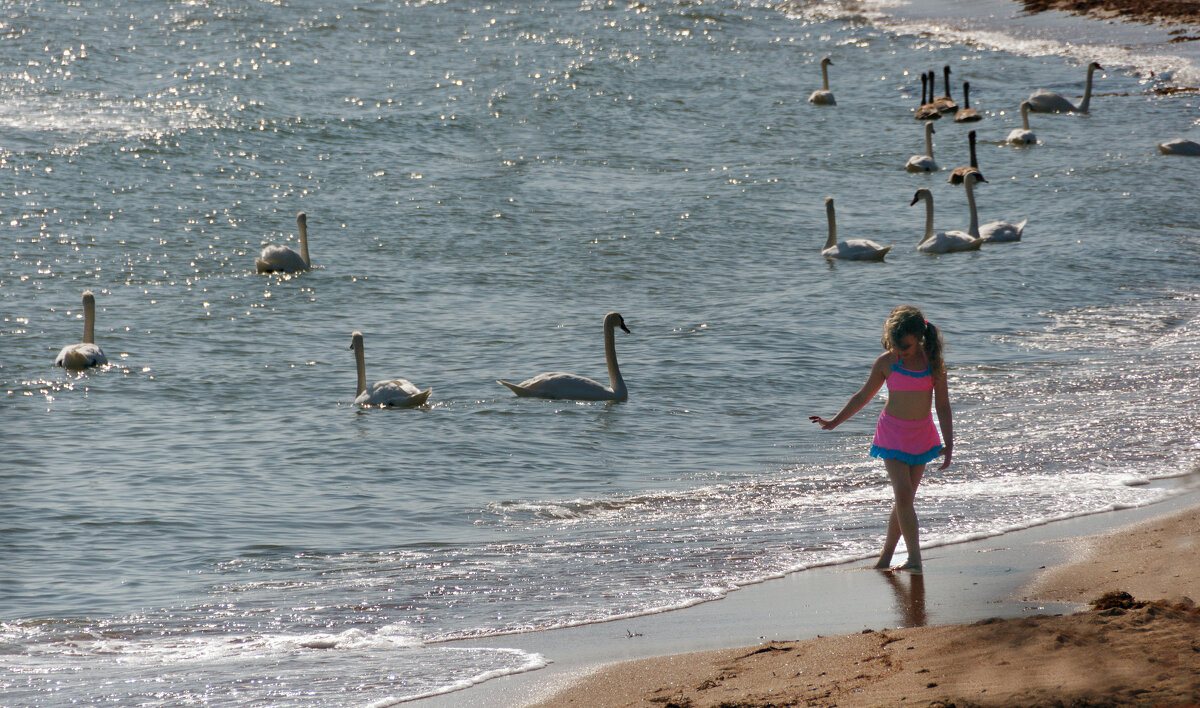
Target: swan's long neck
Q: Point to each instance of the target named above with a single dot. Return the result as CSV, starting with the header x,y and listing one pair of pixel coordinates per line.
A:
x,y
1025,115
610,356
302,225
825,75
928,219
946,80
924,90
89,318
971,138
929,139
360,360
1087,91
831,241
966,95
973,229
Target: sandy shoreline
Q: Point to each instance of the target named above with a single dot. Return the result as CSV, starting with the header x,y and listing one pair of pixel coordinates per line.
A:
x,y
1161,11
1127,655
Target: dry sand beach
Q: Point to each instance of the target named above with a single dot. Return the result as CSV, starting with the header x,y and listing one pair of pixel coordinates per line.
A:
x,y
1122,652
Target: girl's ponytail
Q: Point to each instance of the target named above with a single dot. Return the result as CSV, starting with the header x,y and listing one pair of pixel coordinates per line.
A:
x,y
933,348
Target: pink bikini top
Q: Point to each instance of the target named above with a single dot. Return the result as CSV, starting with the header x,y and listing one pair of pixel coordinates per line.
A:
x,y
902,379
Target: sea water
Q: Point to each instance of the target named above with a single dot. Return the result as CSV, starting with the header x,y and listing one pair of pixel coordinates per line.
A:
x,y
209,519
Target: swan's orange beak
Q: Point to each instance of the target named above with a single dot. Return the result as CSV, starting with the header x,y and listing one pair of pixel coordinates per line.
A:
x,y
916,198
624,328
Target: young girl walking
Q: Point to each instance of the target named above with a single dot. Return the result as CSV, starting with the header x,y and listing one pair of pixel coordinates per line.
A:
x,y
905,437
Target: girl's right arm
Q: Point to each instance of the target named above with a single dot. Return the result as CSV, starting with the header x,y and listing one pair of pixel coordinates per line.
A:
x,y
879,372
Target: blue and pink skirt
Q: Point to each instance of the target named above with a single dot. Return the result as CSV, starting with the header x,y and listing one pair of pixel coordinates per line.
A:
x,y
913,442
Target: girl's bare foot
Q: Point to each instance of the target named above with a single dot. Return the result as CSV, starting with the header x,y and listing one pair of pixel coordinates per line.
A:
x,y
910,567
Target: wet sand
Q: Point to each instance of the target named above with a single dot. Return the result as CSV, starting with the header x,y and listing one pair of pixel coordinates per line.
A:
x,y
1119,653
1162,11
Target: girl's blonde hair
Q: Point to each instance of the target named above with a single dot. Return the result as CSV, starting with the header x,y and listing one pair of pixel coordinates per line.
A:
x,y
907,319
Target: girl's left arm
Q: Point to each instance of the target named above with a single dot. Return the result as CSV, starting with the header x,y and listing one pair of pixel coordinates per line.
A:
x,y
941,401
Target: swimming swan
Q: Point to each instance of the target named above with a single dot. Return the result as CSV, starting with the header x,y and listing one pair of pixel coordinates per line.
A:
x,y
281,259
1179,146
85,354
390,392
823,96
577,388
924,163
1043,101
966,114
1023,135
926,110
945,104
856,249
948,241
960,173
1002,231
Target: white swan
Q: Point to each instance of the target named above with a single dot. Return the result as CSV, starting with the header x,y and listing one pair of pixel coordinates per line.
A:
x,y
577,388
389,392
1179,146
823,96
926,110
85,354
966,114
1023,135
948,241
856,249
958,176
945,104
281,259
924,163
1043,101
1002,231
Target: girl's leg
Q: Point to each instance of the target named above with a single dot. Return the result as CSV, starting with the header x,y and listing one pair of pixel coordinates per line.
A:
x,y
903,520
916,472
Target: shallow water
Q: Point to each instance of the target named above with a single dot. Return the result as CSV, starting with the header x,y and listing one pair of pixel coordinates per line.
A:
x,y
210,519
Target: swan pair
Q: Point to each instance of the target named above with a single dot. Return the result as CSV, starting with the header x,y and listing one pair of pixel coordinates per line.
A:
x,y
975,235
85,354
281,259
927,110
403,393
1043,101
856,249
823,96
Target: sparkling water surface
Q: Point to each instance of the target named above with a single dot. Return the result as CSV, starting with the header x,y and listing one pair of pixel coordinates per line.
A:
x,y
210,519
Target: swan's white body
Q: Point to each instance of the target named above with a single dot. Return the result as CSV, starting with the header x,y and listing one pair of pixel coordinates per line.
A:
x,y
856,249
1002,231
1023,135
85,354
966,114
924,163
395,393
944,104
959,174
948,241
823,96
558,385
927,110
1179,146
281,259
1043,101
